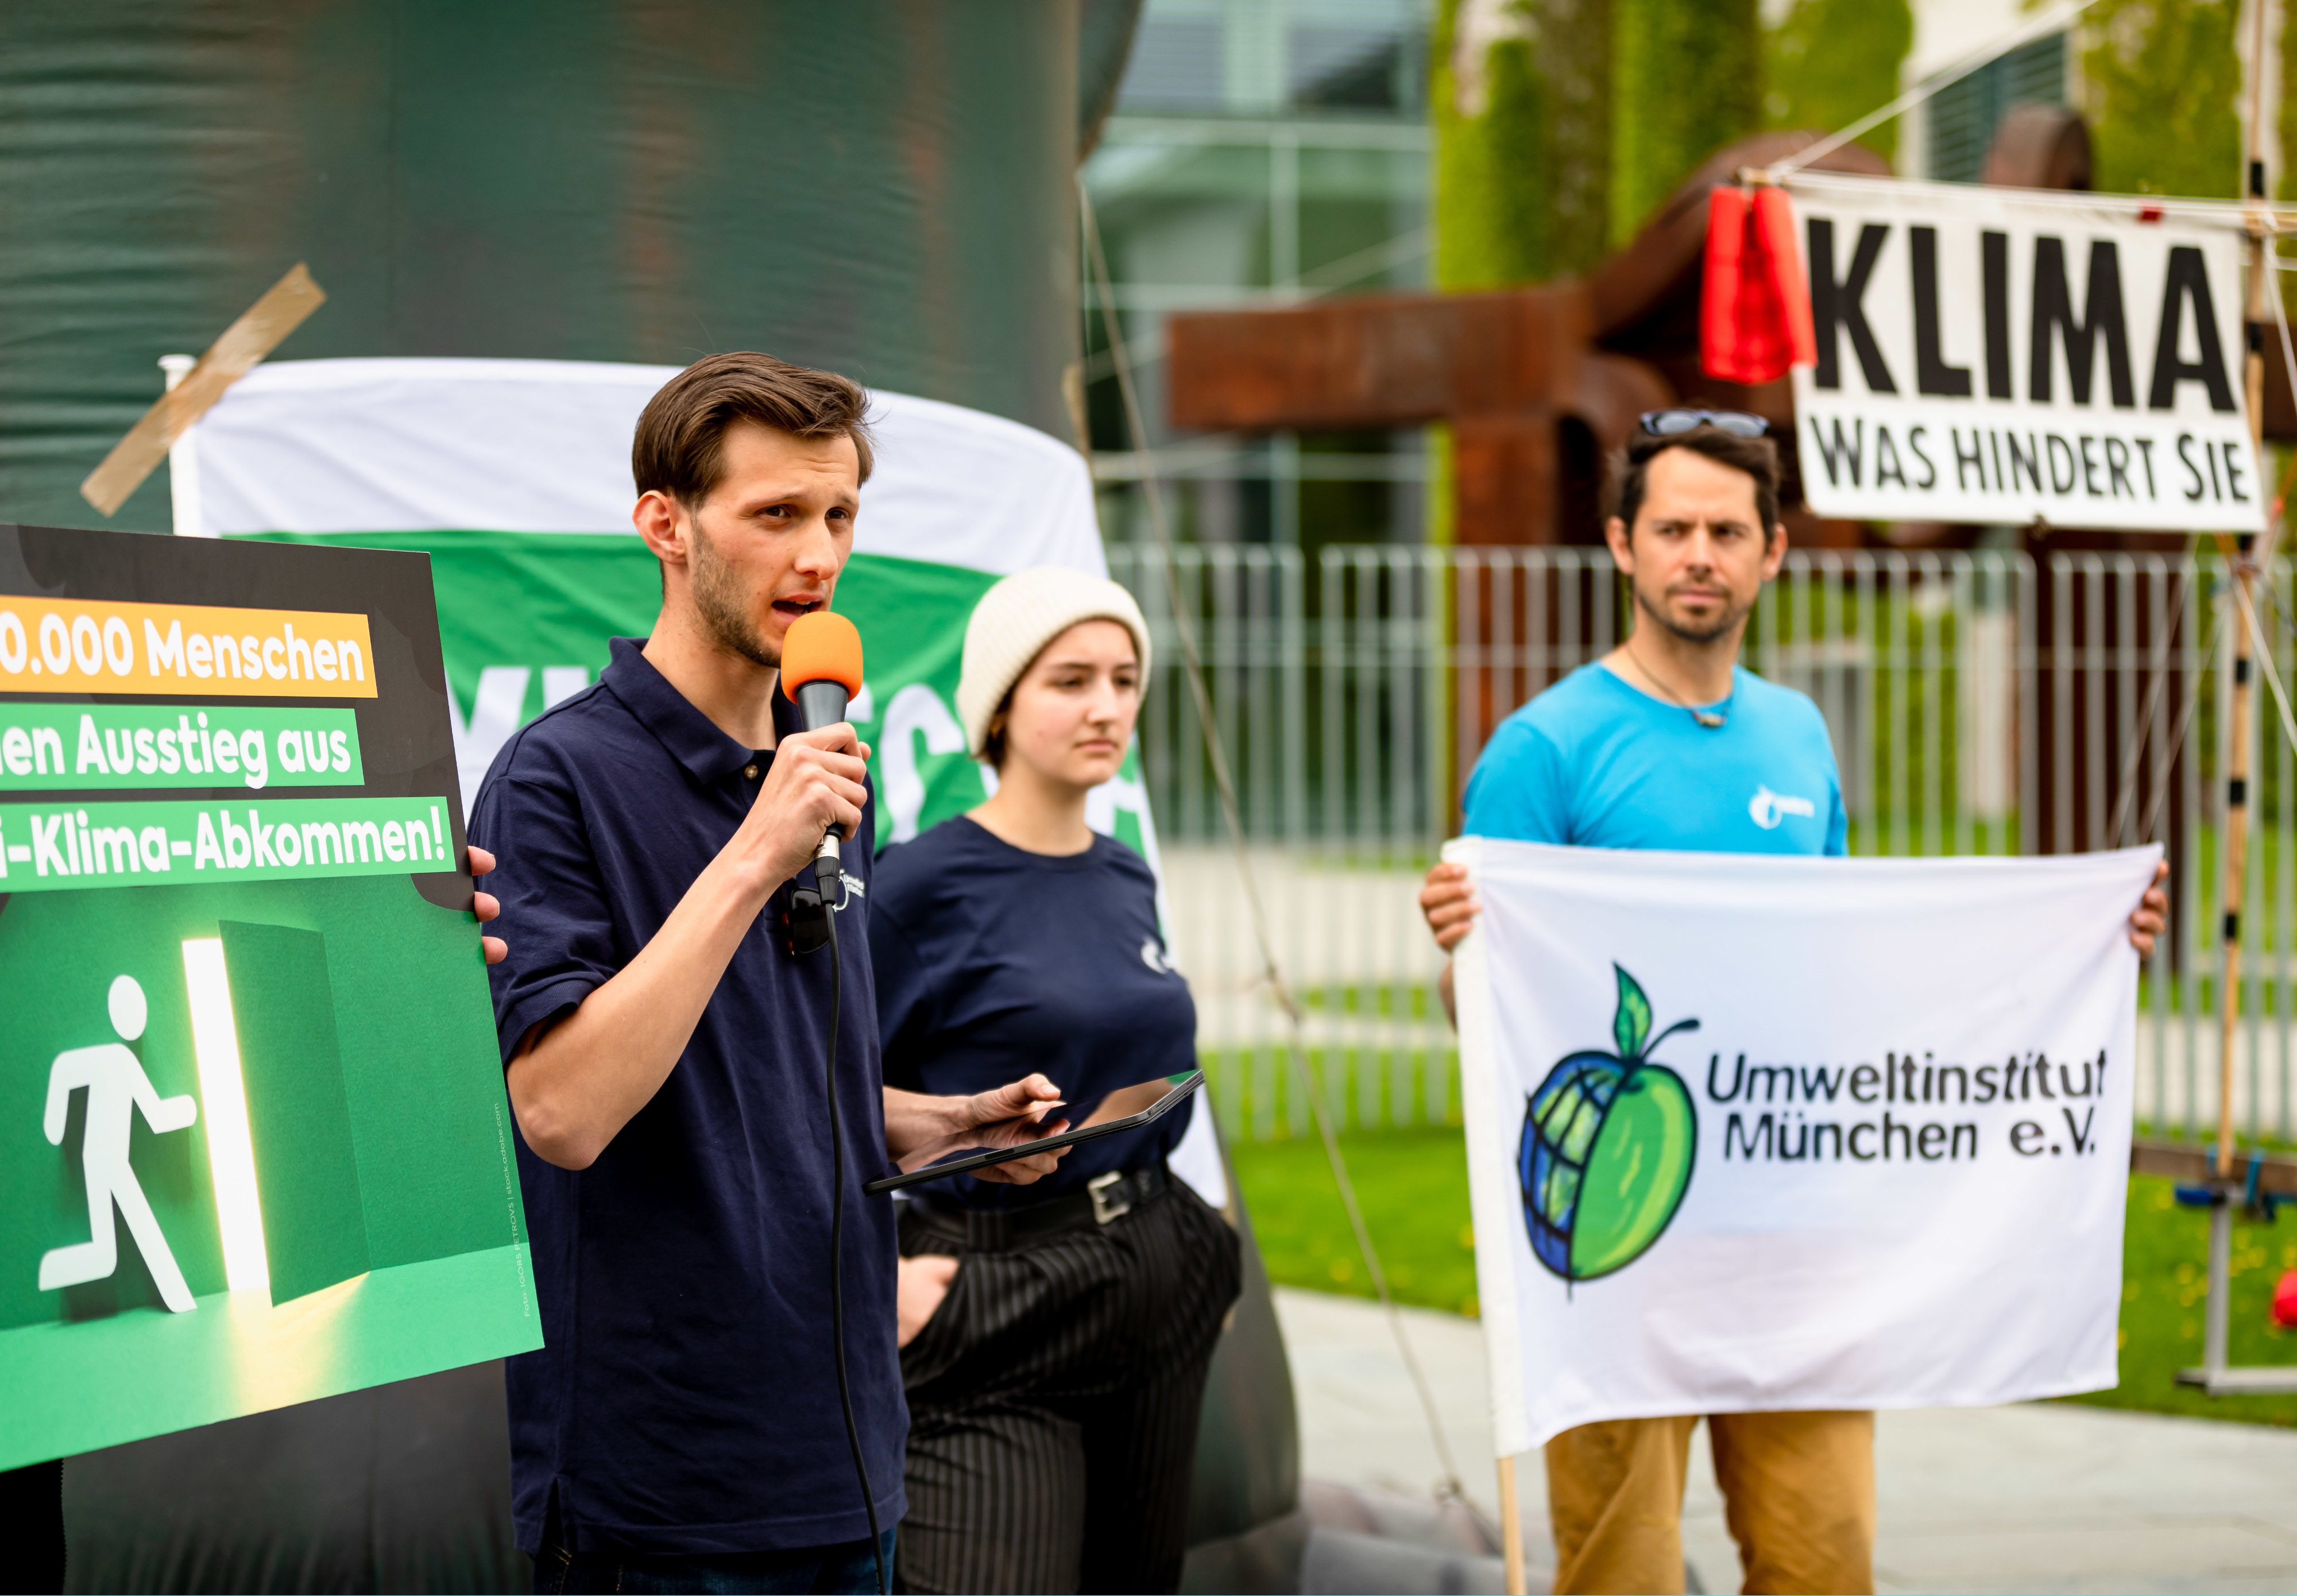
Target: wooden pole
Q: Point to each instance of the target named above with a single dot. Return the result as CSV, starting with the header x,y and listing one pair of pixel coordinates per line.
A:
x,y
1512,1529
2243,574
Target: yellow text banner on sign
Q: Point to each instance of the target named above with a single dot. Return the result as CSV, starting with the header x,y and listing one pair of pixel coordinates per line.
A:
x,y
72,645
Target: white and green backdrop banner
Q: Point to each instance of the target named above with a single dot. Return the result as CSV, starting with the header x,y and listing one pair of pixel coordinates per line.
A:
x,y
513,476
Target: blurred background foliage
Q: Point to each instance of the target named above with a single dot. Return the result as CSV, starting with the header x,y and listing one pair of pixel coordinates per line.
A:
x,y
2160,84
1521,99
1686,80
1562,125
1829,62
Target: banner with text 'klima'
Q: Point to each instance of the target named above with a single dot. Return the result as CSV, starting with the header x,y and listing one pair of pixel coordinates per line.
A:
x,y
2000,356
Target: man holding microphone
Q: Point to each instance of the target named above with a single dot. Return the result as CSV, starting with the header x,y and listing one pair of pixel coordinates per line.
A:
x,y
1667,743
682,1427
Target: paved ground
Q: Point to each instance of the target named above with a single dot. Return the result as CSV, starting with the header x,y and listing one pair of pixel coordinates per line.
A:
x,y
2040,1497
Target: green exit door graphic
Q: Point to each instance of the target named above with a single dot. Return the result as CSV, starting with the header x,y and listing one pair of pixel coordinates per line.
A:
x,y
332,1157
299,1117
261,1009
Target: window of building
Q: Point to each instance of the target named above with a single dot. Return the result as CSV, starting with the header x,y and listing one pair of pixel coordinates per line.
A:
x,y
1261,153
1963,115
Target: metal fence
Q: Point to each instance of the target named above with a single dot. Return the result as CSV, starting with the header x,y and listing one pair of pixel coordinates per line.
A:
x,y
1979,703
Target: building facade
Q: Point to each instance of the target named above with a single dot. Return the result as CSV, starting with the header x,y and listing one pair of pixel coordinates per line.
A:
x,y
1261,153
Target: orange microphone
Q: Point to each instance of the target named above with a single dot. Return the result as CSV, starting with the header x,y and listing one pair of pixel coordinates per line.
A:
x,y
821,670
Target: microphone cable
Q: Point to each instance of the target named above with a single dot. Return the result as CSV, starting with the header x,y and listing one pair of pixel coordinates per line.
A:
x,y
837,1240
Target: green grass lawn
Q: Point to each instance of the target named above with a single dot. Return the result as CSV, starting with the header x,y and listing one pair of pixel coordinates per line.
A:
x,y
1413,1186
2164,1268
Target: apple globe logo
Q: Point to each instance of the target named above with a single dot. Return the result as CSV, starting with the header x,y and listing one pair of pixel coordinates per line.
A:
x,y
1608,1141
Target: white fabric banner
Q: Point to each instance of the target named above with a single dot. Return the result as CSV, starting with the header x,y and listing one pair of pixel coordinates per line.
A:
x,y
1751,1133
544,446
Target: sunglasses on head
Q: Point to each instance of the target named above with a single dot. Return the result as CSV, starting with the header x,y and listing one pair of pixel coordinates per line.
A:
x,y
1673,424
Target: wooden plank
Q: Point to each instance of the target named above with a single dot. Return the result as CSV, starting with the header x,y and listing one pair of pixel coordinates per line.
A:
x,y
255,335
1377,360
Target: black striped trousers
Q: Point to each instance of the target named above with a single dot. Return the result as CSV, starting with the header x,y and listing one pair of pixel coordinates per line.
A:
x,y
1053,1403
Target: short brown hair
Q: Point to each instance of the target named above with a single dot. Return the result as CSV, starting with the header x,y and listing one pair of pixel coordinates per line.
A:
x,y
1758,458
679,447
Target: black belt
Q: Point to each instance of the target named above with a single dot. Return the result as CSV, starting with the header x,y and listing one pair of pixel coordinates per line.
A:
x,y
1105,1200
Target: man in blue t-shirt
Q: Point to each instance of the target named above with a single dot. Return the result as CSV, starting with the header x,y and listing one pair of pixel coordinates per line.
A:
x,y
1666,744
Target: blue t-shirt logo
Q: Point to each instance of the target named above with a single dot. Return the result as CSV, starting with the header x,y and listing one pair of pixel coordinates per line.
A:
x,y
1769,808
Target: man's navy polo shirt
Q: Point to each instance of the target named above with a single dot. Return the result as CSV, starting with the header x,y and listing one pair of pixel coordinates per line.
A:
x,y
685,1399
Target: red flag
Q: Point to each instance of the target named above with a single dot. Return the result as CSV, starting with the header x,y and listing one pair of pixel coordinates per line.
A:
x,y
1754,319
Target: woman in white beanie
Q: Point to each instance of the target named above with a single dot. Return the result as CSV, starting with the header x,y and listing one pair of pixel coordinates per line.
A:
x,y
1055,1341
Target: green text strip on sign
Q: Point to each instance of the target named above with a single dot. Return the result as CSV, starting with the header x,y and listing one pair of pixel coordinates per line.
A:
x,y
52,848
46,746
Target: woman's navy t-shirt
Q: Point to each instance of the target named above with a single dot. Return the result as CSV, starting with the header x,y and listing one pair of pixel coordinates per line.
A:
x,y
992,961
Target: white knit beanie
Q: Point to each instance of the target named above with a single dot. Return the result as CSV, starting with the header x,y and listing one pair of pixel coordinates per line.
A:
x,y
1014,621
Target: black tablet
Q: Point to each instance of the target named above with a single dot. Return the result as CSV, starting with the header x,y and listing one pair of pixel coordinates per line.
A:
x,y
1127,1108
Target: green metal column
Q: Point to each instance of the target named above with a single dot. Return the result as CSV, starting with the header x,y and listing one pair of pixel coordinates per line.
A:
x,y
877,186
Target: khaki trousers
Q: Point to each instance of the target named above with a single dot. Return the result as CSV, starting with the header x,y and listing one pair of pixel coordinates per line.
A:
x,y
1798,1493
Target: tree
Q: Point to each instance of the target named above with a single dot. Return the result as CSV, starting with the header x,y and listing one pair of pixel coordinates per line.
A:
x,y
1829,62
2161,84
1686,80
1560,125
1521,96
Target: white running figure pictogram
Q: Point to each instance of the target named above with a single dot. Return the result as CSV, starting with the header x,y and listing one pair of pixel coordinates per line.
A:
x,y
117,1087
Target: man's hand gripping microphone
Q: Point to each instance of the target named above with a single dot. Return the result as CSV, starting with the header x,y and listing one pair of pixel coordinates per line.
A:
x,y
821,671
